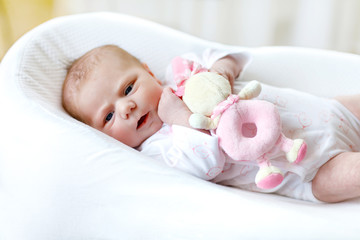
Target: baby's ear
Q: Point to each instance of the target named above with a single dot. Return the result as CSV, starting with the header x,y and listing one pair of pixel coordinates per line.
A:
x,y
150,72
148,69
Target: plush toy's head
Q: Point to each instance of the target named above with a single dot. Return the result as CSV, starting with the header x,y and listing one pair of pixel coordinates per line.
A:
x,y
204,91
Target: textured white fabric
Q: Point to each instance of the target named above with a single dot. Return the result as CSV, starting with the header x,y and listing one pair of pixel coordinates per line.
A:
x,y
186,149
60,179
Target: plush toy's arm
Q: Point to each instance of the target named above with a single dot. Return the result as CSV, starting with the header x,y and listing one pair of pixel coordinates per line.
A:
x,y
200,121
251,90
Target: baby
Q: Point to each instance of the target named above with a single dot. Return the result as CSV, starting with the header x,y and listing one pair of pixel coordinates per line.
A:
x,y
112,91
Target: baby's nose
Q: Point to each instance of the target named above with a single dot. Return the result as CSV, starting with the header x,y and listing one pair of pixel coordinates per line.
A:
x,y
126,109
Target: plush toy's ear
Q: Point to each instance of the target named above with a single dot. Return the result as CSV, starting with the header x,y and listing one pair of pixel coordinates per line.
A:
x,y
183,69
180,68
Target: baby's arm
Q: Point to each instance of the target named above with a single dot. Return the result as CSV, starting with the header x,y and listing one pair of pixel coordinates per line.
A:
x,y
173,111
195,153
228,67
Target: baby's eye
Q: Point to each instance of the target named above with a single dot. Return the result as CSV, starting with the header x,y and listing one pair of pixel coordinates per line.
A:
x,y
109,116
128,89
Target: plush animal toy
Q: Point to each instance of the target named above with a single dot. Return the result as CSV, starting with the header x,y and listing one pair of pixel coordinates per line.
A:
x,y
248,130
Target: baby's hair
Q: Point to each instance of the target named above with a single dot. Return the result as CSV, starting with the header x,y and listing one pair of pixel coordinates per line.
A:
x,y
78,74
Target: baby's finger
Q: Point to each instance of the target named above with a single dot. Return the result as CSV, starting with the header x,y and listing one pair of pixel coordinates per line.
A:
x,y
168,93
168,90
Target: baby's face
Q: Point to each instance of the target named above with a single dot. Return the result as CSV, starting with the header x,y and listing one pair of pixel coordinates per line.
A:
x,y
121,98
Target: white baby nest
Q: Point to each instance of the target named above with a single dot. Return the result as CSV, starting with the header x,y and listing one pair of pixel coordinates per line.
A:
x,y
60,179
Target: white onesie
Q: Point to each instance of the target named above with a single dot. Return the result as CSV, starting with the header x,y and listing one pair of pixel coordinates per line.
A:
x,y
327,127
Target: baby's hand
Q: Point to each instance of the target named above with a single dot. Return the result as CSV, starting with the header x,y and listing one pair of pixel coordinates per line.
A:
x,y
172,110
227,67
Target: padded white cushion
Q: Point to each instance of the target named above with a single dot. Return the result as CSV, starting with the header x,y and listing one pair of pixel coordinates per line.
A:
x,y
60,179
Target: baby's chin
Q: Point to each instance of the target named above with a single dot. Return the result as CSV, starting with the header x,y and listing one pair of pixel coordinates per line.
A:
x,y
153,128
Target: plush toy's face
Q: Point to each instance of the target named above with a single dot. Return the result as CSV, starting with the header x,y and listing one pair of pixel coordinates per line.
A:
x,y
204,91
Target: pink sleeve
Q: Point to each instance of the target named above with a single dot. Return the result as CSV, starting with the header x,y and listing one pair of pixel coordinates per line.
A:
x,y
183,69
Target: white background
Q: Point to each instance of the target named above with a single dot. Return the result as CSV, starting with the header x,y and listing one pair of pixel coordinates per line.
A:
x,y
327,24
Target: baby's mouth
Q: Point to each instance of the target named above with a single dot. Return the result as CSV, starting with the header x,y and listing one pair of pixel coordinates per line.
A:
x,y
142,121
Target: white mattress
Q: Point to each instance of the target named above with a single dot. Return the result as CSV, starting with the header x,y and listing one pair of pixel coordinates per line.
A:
x,y
60,179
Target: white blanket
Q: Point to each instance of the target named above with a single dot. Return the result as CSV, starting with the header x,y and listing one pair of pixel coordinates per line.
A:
x,y
60,179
